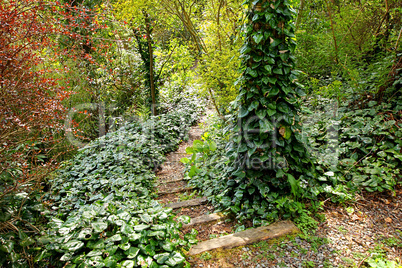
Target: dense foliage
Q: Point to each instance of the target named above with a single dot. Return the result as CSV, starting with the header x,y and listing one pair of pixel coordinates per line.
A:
x,y
349,140
102,208
102,64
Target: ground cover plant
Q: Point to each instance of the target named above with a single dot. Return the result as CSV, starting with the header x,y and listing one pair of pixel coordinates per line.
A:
x,y
101,208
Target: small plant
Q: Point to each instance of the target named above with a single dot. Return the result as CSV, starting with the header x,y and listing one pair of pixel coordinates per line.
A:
x,y
381,262
186,196
206,256
308,264
200,152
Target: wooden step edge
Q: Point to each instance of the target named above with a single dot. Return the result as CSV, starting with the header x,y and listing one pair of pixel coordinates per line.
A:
x,y
178,190
171,181
246,237
188,203
206,219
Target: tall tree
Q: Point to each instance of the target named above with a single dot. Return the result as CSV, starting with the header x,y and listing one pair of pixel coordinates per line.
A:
x,y
269,158
141,16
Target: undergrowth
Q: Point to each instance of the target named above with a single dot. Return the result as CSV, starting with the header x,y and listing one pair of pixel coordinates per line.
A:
x,y
356,147
101,210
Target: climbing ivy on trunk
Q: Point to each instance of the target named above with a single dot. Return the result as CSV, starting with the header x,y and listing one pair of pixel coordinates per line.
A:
x,y
267,153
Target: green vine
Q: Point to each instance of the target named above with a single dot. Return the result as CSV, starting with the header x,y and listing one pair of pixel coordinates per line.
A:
x,y
268,155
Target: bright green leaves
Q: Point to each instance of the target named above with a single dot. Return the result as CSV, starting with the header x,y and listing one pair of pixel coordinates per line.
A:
x,y
200,150
258,38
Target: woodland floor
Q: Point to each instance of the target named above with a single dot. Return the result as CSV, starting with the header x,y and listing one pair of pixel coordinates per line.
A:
x,y
348,236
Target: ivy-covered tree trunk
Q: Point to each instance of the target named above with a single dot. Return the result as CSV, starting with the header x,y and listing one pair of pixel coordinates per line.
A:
x,y
268,155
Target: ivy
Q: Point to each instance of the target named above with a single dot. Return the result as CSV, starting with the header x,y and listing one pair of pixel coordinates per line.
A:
x,y
267,153
103,212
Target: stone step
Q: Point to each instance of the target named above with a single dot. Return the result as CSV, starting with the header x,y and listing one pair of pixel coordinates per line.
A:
x,y
206,219
177,190
246,237
188,203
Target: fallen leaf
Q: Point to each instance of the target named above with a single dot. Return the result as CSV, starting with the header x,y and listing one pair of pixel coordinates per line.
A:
x,y
389,220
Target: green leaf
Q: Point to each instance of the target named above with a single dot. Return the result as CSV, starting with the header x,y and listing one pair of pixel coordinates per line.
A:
x,y
265,126
184,219
261,114
141,227
269,60
175,259
243,112
99,226
127,264
73,245
278,71
272,79
132,252
213,146
192,172
125,246
161,258
110,261
198,146
159,234
253,106
276,42
299,147
126,229
271,112
66,257
114,238
268,16
110,250
27,242
273,91
99,244
94,253
258,37
134,236
252,72
245,49
293,184
189,150
283,107
251,190
168,246
268,68
185,160
7,246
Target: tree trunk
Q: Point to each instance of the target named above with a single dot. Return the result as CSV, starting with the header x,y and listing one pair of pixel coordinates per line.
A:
x,y
151,64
